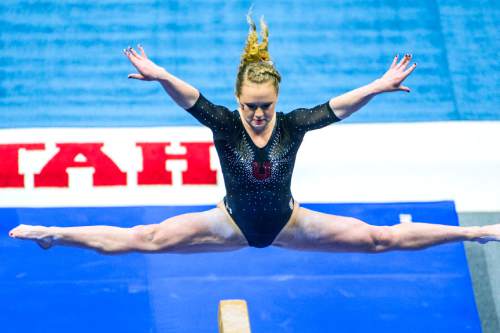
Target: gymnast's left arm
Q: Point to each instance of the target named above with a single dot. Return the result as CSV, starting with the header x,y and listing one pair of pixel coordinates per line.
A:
x,y
350,102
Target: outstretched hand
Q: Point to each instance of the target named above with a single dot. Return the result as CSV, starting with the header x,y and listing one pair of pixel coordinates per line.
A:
x,y
392,79
148,70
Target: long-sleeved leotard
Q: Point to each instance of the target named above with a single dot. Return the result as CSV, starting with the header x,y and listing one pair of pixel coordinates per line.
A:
x,y
257,180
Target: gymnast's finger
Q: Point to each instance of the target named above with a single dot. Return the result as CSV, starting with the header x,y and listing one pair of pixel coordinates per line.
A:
x,y
406,59
409,70
134,53
143,53
394,61
404,88
134,60
136,76
129,55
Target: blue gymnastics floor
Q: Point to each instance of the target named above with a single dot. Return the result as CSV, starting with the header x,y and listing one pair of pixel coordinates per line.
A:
x,y
75,290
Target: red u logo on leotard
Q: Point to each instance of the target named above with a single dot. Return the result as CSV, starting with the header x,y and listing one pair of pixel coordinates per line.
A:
x,y
262,170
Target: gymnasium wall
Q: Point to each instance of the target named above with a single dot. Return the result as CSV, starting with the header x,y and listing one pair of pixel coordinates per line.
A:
x,y
62,63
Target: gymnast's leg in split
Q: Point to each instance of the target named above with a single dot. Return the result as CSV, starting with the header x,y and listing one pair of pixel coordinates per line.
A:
x,y
315,231
208,231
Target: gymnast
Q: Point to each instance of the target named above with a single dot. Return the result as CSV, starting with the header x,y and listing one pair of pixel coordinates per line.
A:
x,y
257,147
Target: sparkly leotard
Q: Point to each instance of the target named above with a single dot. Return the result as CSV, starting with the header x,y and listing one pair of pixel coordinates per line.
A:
x,y
257,179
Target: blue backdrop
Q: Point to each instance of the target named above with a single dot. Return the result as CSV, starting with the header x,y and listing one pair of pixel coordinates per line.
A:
x,y
62,64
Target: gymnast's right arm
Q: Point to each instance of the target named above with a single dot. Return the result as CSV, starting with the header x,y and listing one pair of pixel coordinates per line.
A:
x,y
180,91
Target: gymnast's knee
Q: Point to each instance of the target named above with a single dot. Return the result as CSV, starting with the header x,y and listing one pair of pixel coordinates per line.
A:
x,y
138,238
144,237
383,238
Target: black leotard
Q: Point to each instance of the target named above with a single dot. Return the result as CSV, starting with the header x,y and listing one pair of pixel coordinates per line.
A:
x,y
257,179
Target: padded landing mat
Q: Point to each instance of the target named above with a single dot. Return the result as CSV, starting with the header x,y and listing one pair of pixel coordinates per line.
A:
x,y
75,290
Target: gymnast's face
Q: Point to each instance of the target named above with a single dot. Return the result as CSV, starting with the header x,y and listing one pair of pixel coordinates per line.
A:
x,y
257,102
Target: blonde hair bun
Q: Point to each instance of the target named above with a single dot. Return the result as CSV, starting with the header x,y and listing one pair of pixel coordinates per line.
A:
x,y
255,51
256,65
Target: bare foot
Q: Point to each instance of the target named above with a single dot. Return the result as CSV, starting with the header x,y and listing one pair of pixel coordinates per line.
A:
x,y
491,234
39,234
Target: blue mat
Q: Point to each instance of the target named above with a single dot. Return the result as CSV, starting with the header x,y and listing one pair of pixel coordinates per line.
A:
x,y
75,290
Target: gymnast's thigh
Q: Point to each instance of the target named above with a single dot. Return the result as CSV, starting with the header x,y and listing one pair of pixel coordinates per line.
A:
x,y
317,231
210,230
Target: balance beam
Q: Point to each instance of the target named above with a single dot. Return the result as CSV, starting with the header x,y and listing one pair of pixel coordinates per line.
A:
x,y
233,316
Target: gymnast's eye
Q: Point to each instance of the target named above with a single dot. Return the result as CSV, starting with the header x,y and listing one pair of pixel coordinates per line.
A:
x,y
265,106
250,106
